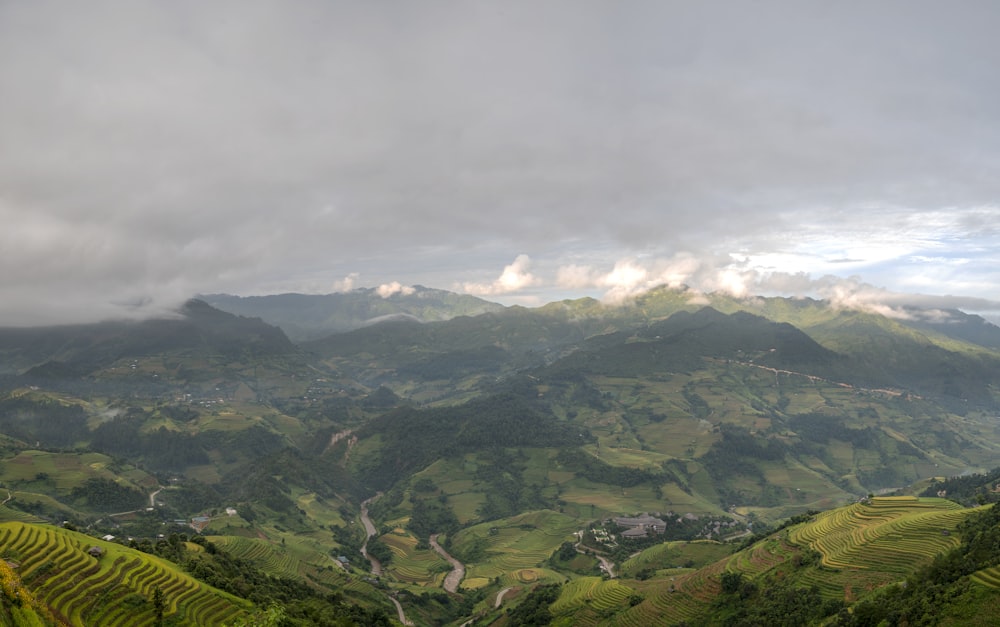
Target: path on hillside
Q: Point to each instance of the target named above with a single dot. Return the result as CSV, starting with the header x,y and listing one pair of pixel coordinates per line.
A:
x,y
399,609
457,568
500,597
152,497
813,378
606,565
370,532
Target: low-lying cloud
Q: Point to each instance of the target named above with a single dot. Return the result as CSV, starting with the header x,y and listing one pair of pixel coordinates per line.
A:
x,y
514,278
387,290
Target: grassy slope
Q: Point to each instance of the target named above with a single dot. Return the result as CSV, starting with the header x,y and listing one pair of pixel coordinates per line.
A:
x,y
114,589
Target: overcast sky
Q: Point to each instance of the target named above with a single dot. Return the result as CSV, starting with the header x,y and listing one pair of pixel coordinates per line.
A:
x,y
523,151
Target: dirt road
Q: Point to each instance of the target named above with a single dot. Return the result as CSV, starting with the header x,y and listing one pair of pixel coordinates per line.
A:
x,y
370,532
457,568
500,594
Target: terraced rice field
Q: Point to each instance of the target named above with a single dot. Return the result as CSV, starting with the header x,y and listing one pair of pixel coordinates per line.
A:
x,y
890,535
862,547
265,555
7,514
600,595
114,589
761,557
989,577
680,599
422,567
674,554
521,542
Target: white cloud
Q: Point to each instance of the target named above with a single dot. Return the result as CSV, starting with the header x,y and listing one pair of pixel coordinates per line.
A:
x,y
631,277
388,289
576,276
515,277
347,283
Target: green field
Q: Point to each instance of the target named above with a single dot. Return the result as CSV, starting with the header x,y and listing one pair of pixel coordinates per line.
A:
x,y
113,589
671,555
65,471
421,567
862,547
515,549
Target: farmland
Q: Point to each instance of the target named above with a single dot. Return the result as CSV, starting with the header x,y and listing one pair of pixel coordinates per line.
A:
x,y
116,588
861,547
514,549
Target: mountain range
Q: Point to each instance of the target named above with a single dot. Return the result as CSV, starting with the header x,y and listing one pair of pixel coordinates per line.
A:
x,y
276,425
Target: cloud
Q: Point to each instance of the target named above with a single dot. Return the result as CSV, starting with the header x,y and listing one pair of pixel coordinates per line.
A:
x,y
631,277
389,289
151,150
734,277
347,283
514,278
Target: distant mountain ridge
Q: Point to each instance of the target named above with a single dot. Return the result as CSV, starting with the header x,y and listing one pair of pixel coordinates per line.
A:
x,y
76,349
312,316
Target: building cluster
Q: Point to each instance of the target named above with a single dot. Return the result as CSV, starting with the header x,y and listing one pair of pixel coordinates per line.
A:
x,y
640,526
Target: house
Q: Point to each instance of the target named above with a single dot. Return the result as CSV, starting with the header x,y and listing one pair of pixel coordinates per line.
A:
x,y
198,523
640,526
95,551
635,532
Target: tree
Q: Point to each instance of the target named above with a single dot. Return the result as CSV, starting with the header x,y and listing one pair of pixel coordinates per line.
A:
x,y
159,605
270,617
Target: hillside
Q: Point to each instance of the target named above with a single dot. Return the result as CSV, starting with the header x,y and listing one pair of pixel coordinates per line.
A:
x,y
57,566
506,442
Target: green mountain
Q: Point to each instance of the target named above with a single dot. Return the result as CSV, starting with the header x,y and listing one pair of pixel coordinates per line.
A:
x,y
510,441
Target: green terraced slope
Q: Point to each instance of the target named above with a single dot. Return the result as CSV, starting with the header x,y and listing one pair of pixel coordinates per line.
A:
x,y
116,588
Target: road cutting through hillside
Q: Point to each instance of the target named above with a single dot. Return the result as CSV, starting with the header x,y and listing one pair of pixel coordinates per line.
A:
x,y
370,532
496,604
606,565
457,568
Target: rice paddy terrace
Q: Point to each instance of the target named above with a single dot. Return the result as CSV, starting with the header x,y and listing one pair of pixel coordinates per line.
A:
x,y
517,547
861,546
113,588
870,544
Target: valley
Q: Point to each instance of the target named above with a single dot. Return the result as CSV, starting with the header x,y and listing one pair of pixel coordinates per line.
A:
x,y
468,468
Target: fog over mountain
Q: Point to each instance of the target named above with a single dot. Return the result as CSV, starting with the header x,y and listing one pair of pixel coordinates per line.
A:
x,y
521,152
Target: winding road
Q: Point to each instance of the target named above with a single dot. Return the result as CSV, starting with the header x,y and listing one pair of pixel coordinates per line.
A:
x,y
370,532
606,565
457,568
399,609
500,594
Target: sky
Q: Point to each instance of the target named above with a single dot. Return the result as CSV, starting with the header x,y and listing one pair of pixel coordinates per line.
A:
x,y
519,150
